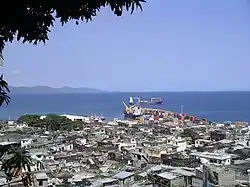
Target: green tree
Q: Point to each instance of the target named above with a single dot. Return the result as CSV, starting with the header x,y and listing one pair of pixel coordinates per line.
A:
x,y
190,133
4,90
78,125
56,122
33,120
31,21
51,122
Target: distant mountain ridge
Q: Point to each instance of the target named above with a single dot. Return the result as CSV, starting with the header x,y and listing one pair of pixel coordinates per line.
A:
x,y
50,90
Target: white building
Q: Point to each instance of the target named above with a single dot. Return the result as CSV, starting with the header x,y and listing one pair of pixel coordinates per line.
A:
x,y
26,142
81,141
63,147
75,118
179,142
41,156
201,142
21,125
213,158
10,122
72,117
130,143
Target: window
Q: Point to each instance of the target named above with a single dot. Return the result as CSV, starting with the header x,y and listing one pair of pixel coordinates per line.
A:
x,y
139,157
40,183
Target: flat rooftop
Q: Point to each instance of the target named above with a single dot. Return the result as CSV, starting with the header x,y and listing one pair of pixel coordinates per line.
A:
x,y
216,156
7,143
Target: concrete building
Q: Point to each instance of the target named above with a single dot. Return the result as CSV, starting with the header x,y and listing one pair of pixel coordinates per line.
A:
x,y
212,158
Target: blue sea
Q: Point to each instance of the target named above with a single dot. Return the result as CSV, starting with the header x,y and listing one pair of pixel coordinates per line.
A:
x,y
216,106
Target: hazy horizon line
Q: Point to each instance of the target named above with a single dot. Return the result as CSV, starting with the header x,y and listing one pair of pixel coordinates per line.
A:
x,y
138,91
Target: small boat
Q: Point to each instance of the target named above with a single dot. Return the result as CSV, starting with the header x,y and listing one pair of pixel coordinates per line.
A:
x,y
103,118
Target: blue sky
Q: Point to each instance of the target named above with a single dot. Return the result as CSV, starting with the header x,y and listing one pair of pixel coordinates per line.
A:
x,y
173,45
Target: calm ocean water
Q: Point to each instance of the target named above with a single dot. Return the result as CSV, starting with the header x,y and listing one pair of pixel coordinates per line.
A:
x,y
217,106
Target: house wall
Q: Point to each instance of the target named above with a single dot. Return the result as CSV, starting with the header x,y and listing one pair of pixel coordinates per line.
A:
x,y
63,147
19,126
126,182
83,141
26,142
38,156
198,143
182,146
37,183
75,118
196,182
180,182
156,153
139,160
132,145
215,161
179,142
227,178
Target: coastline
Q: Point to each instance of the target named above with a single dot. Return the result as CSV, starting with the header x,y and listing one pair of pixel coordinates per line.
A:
x,y
223,106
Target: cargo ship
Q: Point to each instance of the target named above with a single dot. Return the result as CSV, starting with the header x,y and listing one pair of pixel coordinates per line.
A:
x,y
156,100
153,100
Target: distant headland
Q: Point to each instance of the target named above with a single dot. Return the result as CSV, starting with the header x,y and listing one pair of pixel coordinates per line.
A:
x,y
50,90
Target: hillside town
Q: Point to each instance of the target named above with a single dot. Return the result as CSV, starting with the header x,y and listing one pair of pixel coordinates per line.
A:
x,y
82,151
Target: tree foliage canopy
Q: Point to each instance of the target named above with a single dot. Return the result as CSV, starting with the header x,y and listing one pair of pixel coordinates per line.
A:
x,y
31,21
52,122
190,133
4,90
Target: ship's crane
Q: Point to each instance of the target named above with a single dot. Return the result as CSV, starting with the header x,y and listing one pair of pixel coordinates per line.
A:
x,y
130,108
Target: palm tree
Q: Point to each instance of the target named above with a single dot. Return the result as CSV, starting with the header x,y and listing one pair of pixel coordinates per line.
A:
x,y
4,90
1,59
13,166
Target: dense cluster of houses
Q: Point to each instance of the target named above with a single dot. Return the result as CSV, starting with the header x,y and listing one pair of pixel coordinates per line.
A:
x,y
125,154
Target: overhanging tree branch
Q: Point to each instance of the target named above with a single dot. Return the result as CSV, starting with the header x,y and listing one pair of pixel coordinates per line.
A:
x,y
30,21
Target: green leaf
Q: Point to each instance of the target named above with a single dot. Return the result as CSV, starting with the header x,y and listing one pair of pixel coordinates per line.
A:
x,y
1,59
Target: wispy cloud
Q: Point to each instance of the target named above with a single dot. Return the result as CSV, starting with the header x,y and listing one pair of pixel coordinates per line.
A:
x,y
15,72
12,72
